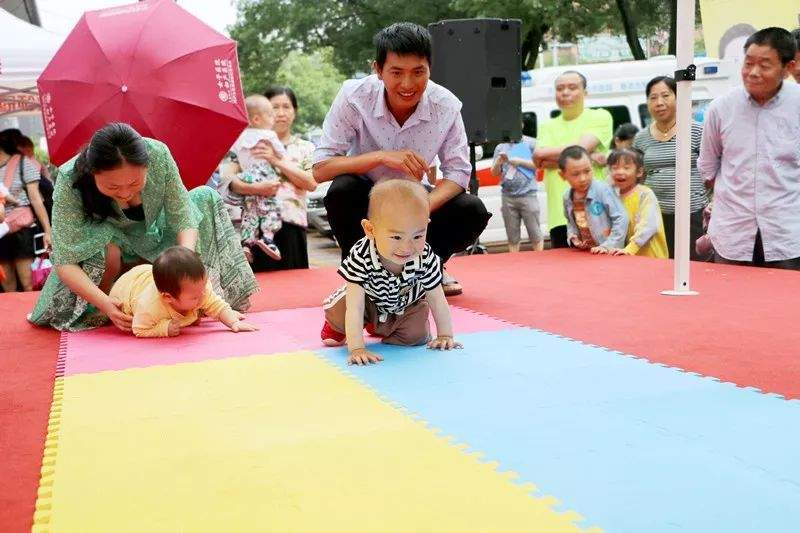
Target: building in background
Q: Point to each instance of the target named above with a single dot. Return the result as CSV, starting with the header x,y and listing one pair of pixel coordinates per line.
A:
x,y
728,23
25,50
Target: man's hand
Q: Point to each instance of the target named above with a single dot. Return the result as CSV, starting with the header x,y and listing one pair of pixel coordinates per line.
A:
x,y
240,326
600,250
444,342
502,158
541,157
362,356
407,161
174,328
619,251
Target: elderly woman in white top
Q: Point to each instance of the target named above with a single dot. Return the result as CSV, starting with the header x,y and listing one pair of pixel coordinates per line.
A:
x,y
291,192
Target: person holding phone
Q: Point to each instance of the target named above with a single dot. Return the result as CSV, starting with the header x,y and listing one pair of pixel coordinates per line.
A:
x,y
513,163
24,205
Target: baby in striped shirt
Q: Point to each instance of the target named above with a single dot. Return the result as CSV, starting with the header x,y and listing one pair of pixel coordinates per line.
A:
x,y
393,279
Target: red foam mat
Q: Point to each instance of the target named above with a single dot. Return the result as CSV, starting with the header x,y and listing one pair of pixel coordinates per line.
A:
x,y
291,289
27,373
741,328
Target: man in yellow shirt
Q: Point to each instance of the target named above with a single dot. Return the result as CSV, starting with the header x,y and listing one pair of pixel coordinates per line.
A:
x,y
170,294
590,128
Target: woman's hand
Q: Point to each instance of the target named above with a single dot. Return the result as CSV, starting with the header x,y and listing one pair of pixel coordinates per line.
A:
x,y
267,189
113,309
48,241
264,151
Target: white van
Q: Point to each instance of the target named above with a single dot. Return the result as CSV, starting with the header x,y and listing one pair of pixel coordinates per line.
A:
x,y
618,87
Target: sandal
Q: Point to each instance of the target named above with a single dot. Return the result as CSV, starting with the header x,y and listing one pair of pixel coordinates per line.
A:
x,y
450,285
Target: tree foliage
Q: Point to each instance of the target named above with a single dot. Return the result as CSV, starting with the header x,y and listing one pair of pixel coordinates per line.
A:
x,y
315,81
268,30
564,20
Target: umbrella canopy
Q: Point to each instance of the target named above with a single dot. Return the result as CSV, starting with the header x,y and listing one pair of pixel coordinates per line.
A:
x,y
158,68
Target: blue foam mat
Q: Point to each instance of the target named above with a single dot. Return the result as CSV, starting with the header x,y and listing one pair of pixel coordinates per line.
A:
x,y
632,446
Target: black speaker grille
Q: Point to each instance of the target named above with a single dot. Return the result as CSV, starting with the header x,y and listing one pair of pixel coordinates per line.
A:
x,y
479,61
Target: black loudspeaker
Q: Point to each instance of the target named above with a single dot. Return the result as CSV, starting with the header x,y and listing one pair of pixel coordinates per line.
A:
x,y
479,61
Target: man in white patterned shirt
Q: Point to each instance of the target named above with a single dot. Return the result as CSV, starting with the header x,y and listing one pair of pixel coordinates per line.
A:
x,y
393,124
393,279
750,152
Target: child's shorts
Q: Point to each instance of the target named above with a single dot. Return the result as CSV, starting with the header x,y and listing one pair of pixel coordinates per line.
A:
x,y
409,329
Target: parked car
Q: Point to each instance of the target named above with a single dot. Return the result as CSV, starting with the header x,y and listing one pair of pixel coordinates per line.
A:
x,y
317,215
489,192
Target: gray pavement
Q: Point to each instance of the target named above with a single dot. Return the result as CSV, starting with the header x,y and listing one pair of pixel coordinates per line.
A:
x,y
323,252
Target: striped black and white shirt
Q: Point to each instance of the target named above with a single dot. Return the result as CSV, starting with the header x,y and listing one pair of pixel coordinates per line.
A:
x,y
391,293
659,166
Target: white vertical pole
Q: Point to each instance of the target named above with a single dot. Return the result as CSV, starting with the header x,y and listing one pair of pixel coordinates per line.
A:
x,y
683,141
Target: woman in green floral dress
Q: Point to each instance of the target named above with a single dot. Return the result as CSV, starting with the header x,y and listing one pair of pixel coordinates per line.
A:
x,y
121,201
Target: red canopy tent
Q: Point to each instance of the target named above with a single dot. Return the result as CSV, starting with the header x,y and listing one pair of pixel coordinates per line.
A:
x,y
155,66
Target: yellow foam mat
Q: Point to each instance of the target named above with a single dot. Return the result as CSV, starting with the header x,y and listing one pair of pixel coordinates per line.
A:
x,y
277,443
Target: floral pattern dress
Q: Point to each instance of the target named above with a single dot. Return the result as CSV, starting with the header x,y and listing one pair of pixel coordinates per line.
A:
x,y
168,209
291,198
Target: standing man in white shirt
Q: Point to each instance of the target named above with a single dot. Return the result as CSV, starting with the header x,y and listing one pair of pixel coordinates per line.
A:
x,y
751,152
393,124
796,69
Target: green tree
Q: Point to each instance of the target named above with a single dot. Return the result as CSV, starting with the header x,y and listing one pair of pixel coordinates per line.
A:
x,y
268,29
315,81
631,31
566,20
261,42
562,19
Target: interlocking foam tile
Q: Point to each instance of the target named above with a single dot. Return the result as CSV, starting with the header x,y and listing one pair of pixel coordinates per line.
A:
x,y
636,447
281,331
264,443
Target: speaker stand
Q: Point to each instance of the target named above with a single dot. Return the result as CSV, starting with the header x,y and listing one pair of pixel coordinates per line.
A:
x,y
476,247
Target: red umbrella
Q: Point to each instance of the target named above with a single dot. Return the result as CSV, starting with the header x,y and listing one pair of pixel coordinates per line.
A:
x,y
155,66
